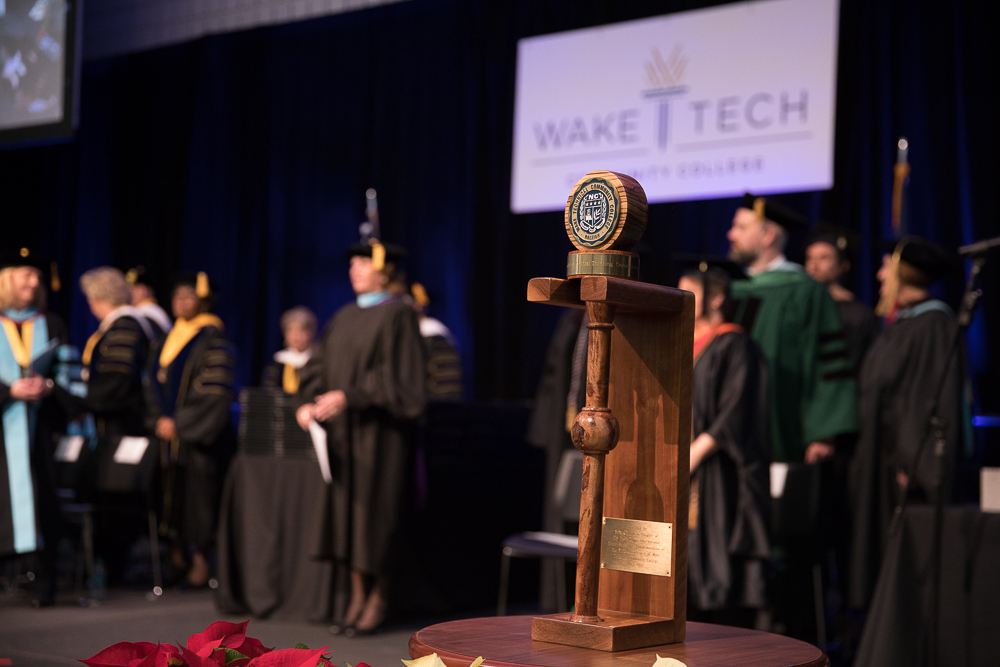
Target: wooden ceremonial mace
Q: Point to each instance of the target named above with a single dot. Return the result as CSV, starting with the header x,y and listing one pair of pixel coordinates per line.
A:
x,y
594,432
631,560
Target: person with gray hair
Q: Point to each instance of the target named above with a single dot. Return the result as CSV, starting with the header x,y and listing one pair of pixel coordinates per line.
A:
x,y
113,362
298,326
115,355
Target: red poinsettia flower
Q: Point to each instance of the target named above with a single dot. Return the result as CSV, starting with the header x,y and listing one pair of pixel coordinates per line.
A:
x,y
133,654
224,635
192,659
292,657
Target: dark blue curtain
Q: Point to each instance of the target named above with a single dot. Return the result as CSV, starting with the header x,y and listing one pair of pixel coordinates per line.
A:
x,y
247,155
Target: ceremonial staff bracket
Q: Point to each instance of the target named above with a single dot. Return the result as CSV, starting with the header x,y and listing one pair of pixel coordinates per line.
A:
x,y
634,431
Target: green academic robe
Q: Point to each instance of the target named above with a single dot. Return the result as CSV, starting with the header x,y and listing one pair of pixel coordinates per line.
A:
x,y
811,386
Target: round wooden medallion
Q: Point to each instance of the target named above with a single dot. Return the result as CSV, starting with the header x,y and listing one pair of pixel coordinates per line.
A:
x,y
606,211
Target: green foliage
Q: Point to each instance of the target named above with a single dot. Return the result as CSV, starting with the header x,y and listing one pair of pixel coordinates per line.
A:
x,y
232,655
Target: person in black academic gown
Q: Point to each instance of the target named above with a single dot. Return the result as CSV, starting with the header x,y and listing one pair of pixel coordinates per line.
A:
x,y
730,503
368,396
828,262
189,387
113,362
144,300
902,375
298,326
114,357
29,513
444,363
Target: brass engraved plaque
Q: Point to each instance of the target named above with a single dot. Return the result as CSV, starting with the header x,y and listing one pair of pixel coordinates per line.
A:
x,y
643,547
621,265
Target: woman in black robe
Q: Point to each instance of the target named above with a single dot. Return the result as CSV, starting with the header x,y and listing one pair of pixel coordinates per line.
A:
x,y
29,512
298,327
189,390
728,526
902,375
368,395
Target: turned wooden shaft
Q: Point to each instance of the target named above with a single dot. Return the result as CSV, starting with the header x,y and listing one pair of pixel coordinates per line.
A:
x,y
599,353
595,433
588,567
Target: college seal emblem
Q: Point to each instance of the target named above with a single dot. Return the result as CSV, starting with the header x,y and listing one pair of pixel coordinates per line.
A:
x,y
594,212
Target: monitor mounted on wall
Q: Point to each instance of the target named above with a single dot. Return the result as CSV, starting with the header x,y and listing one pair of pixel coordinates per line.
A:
x,y
39,70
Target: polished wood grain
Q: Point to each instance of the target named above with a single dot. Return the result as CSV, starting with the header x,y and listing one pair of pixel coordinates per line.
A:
x,y
626,295
595,433
555,292
632,295
647,474
615,631
639,412
506,642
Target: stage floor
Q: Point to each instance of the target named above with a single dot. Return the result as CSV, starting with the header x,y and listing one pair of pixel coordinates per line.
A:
x,y
61,634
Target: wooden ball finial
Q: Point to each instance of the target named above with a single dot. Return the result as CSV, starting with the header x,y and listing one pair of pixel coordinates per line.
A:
x,y
606,211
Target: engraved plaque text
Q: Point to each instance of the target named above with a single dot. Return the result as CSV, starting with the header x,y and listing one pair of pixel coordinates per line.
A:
x,y
643,547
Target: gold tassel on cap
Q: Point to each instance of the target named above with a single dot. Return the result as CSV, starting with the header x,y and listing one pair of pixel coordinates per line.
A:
x,y
201,287
378,255
888,301
420,295
132,275
758,207
54,281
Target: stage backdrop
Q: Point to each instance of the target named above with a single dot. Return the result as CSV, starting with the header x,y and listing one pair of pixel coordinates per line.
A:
x,y
248,154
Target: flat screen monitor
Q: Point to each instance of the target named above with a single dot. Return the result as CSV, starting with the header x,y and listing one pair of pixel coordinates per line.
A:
x,y
39,64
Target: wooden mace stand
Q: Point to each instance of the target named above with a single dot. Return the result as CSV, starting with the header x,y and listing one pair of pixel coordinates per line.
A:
x,y
639,371
634,432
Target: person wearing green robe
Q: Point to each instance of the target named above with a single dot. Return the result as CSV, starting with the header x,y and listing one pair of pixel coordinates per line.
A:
x,y
811,385
812,389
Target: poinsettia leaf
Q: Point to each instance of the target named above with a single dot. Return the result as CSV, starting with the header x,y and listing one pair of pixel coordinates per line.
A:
x,y
232,654
120,654
209,648
194,660
302,646
232,635
252,648
289,657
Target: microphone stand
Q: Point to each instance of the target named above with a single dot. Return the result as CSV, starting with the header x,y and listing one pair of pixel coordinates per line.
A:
x,y
937,426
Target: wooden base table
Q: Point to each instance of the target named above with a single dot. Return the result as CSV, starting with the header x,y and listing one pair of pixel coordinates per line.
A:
x,y
505,641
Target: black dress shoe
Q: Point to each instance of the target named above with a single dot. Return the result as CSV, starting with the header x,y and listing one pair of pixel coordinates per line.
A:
x,y
338,628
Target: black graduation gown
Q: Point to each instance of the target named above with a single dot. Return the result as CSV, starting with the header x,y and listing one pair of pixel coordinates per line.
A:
x,y
273,375
727,549
49,421
270,377
860,328
114,381
444,369
196,390
376,357
900,377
